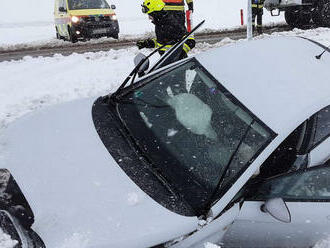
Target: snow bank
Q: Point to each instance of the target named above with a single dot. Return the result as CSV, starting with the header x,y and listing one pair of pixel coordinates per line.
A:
x,y
32,83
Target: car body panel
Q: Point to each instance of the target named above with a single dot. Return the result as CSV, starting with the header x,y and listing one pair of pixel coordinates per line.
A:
x,y
76,189
211,232
310,222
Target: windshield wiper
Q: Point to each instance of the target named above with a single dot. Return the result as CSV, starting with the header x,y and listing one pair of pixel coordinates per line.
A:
x,y
229,163
164,60
133,74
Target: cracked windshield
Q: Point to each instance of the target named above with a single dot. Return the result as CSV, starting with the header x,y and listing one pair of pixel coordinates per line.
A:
x,y
185,123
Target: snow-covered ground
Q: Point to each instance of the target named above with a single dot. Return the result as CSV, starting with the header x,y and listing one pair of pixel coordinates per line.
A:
x,y
34,83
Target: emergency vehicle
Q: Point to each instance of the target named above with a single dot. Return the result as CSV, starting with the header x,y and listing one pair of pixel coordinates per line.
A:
x,y
75,19
299,13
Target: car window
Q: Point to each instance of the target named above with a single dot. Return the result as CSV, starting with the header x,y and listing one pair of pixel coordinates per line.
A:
x,y
193,130
307,185
284,158
88,4
322,129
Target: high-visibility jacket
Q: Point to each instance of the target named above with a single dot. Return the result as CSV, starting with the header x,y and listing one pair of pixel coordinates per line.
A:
x,y
176,4
258,4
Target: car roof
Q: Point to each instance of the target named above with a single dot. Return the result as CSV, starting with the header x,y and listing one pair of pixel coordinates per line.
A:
x,y
278,79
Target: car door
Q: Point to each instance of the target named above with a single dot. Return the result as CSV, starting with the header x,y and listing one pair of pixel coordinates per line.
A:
x,y
307,196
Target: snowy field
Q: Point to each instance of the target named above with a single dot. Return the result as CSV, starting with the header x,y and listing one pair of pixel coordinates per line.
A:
x,y
33,83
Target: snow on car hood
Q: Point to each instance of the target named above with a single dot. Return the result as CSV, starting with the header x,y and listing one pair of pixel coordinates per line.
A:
x,y
79,195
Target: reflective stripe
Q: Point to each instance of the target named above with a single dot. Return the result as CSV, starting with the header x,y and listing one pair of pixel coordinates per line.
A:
x,y
177,8
165,48
186,48
260,6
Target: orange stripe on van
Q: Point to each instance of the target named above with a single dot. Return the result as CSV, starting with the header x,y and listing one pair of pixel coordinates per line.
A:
x,y
173,1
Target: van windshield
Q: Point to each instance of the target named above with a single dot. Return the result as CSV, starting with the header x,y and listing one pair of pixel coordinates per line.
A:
x,y
88,4
193,131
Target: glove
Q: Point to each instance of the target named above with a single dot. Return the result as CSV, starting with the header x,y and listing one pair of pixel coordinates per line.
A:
x,y
141,44
145,44
191,6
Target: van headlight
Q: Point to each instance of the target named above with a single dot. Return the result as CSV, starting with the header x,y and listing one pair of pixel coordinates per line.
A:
x,y
75,19
114,17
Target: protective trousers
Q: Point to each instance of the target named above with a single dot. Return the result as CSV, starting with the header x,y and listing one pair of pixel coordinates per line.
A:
x,y
257,12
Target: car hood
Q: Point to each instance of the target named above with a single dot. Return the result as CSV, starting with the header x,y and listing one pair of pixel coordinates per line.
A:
x,y
79,195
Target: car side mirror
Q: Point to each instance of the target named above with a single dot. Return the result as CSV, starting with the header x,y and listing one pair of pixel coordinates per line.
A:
x,y
61,9
145,65
113,6
277,208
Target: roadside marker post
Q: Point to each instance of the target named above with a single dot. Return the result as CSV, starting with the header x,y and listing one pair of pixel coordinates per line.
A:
x,y
242,17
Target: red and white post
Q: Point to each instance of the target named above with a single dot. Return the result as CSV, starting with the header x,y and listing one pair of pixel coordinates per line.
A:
x,y
242,17
189,20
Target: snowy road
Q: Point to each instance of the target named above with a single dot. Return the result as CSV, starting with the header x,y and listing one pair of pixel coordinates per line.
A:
x,y
105,44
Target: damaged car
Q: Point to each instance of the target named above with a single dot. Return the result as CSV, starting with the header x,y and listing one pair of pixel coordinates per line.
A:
x,y
162,161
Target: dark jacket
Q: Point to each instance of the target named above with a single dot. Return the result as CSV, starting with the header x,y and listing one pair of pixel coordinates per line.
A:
x,y
168,27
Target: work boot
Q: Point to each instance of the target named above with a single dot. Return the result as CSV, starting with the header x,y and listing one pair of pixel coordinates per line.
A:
x,y
259,30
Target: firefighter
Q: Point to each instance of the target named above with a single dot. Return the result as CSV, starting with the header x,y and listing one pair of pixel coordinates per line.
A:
x,y
257,12
168,28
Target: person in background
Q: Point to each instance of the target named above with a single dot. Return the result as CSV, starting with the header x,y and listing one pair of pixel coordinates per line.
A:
x,y
257,12
169,29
